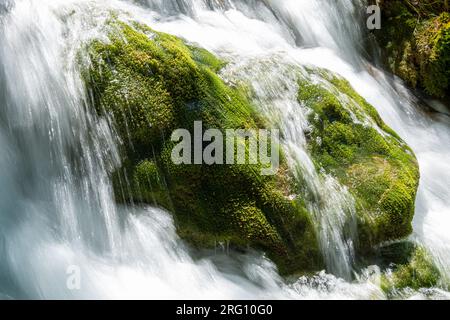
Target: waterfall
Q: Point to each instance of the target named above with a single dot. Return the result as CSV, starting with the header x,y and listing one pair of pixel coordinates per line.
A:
x,y
57,207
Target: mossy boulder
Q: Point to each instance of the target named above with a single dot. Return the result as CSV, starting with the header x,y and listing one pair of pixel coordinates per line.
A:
x,y
149,83
349,140
415,38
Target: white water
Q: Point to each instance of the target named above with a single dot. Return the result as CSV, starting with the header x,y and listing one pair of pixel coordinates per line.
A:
x,y
56,209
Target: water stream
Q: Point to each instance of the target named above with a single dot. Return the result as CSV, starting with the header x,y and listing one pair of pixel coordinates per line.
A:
x,y
56,203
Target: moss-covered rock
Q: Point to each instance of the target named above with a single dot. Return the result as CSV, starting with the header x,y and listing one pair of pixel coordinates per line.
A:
x,y
417,273
415,37
150,83
350,141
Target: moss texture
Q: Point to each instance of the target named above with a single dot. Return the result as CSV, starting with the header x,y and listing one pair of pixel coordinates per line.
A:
x,y
415,37
350,141
419,272
150,83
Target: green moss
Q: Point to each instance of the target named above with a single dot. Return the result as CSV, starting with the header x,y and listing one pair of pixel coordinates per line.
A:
x,y
433,45
205,57
419,272
150,83
350,141
415,38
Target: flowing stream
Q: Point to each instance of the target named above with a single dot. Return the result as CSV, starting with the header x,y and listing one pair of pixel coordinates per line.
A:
x,y
57,212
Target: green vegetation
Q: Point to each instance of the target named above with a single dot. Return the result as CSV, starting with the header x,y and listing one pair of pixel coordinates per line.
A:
x,y
419,272
351,142
415,36
151,83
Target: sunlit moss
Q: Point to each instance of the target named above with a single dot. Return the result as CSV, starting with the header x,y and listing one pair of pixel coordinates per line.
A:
x,y
151,83
350,141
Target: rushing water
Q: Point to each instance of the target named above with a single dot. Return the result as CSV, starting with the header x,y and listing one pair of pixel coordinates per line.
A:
x,y
56,204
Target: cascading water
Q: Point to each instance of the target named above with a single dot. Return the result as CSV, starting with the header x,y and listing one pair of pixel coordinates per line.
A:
x,y
275,89
56,203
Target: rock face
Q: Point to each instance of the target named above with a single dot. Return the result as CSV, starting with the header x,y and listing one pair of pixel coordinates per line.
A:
x,y
415,39
149,84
